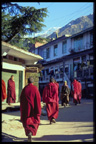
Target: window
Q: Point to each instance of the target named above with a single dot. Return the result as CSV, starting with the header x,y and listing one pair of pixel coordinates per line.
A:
x,y
78,43
47,53
91,59
61,69
76,63
83,58
15,59
44,54
56,70
47,72
55,50
67,69
64,47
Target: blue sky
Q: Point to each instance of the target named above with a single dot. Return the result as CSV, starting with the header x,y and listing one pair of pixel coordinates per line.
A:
x,y
61,13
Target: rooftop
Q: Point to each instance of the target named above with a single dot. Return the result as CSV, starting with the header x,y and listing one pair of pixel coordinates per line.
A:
x,y
29,57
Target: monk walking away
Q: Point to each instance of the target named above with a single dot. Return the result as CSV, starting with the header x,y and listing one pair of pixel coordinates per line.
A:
x,y
77,91
50,97
30,109
11,93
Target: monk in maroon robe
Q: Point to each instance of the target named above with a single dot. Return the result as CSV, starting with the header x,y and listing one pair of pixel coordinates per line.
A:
x,y
4,95
11,94
50,97
76,91
79,92
30,108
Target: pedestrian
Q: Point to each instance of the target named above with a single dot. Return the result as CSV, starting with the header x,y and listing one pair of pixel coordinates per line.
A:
x,y
65,91
79,92
50,97
30,108
75,91
4,95
11,93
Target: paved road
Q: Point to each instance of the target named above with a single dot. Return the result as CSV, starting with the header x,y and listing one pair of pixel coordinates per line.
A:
x,y
74,124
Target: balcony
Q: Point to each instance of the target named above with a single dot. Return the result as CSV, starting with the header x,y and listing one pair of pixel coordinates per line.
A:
x,y
85,73
57,77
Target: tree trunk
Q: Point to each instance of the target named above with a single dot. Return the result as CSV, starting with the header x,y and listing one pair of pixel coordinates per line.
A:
x,y
13,35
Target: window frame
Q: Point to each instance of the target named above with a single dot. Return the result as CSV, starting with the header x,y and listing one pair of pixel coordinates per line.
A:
x,y
55,49
47,53
64,48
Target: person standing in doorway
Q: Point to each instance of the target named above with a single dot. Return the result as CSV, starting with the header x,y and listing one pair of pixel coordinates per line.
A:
x,y
50,97
11,93
30,109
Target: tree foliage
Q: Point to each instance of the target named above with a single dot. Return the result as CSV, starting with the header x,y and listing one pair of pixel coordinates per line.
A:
x,y
18,21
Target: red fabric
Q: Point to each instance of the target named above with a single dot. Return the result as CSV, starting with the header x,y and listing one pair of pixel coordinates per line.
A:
x,y
80,90
52,110
11,94
77,91
4,95
50,97
30,108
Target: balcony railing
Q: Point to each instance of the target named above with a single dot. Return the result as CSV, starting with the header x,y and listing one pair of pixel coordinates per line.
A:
x,y
88,72
78,49
47,78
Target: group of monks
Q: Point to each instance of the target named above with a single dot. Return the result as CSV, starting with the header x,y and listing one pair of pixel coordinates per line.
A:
x,y
30,101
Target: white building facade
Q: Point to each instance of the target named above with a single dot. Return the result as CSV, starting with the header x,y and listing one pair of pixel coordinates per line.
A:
x,y
66,58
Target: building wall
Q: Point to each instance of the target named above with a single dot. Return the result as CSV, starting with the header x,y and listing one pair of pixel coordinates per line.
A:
x,y
70,62
59,51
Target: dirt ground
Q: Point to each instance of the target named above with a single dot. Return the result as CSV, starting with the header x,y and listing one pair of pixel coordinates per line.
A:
x,y
74,124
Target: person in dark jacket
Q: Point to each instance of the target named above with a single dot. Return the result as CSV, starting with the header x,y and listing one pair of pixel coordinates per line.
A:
x,y
65,91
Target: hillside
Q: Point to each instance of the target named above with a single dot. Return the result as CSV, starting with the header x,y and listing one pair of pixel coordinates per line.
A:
x,y
74,26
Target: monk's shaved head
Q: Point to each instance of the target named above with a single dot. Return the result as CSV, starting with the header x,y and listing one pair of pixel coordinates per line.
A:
x,y
30,80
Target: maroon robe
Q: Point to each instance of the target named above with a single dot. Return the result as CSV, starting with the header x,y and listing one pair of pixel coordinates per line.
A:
x,y
30,108
77,94
11,94
79,91
4,95
75,91
50,97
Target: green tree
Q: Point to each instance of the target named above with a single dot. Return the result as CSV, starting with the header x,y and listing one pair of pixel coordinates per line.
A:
x,y
18,21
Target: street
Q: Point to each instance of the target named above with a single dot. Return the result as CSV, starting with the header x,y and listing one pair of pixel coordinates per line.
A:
x,y
74,124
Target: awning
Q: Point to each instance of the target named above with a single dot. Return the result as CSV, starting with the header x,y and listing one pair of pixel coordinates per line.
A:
x,y
12,66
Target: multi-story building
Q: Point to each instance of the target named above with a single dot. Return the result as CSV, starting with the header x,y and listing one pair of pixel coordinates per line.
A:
x,y
66,58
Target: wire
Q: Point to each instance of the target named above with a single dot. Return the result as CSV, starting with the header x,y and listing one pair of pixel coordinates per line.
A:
x,y
70,18
63,17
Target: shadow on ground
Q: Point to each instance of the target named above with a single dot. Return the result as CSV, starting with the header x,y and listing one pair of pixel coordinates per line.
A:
x,y
10,138
83,138
64,137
